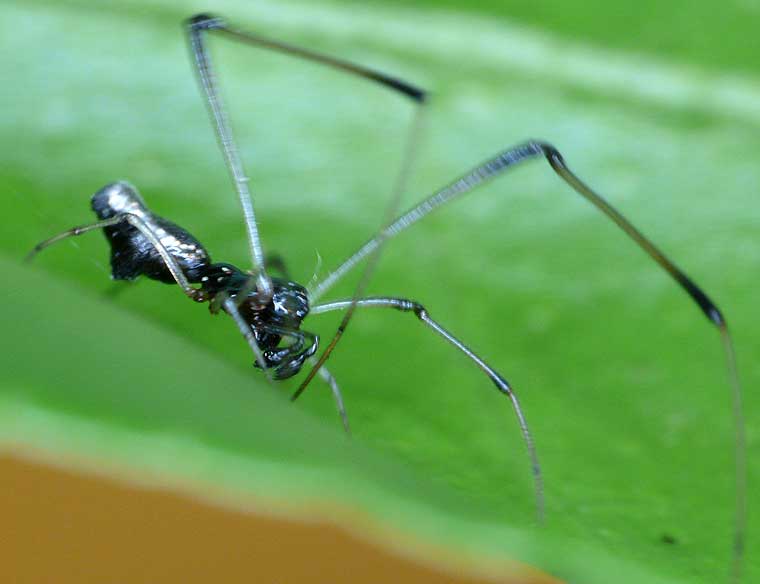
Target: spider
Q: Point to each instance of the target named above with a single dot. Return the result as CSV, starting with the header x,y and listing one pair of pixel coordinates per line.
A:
x,y
269,311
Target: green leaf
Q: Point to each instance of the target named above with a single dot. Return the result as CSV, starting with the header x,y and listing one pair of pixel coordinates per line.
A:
x,y
621,379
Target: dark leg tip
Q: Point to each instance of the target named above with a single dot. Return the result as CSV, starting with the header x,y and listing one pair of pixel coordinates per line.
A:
x,y
204,21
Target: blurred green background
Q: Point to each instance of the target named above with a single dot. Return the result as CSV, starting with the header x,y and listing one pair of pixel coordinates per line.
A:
x,y
621,378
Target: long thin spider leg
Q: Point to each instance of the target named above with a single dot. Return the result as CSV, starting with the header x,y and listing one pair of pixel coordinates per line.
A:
x,y
713,313
480,174
740,519
501,384
196,27
329,378
74,231
206,77
511,157
171,263
374,258
217,24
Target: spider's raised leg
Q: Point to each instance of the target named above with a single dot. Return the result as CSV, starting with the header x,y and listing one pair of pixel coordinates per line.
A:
x,y
171,263
501,384
511,157
197,26
200,24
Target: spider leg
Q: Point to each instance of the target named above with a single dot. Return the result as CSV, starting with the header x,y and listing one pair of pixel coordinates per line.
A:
x,y
196,27
494,168
169,260
211,23
200,24
337,395
78,230
206,77
374,254
506,160
501,384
